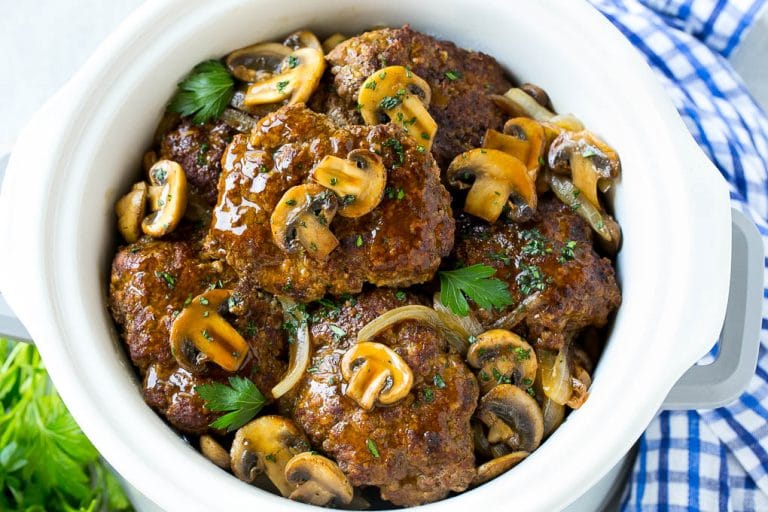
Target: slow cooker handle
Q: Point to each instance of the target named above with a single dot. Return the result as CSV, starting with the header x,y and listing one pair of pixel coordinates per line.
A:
x,y
721,382
10,326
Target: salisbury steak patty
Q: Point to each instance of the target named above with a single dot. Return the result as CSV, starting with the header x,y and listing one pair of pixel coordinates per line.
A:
x,y
151,282
552,257
198,149
460,80
417,450
399,243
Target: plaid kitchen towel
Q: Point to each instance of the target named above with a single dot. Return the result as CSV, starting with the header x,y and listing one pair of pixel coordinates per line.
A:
x,y
708,459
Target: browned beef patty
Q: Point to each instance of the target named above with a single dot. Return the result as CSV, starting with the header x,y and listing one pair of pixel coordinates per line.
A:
x,y
399,243
460,80
577,288
150,283
423,442
198,149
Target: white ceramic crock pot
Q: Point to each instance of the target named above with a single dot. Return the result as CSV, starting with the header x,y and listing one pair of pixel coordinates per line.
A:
x,y
82,149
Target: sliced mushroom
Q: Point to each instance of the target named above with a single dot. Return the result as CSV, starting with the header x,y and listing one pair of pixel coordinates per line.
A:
x,y
168,198
502,358
375,374
358,181
301,219
200,334
296,79
130,211
265,445
523,138
214,452
398,94
256,62
590,161
318,480
512,417
538,94
303,39
496,176
580,382
498,466
333,41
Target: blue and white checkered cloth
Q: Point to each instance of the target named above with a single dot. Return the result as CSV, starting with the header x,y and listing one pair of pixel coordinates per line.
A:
x,y
707,459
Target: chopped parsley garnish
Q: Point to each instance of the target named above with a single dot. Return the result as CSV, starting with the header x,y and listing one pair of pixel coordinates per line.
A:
x,y
400,295
588,152
390,102
420,148
500,377
372,448
473,282
531,279
242,399
205,92
170,281
281,85
472,339
567,252
348,199
429,395
500,256
438,381
453,75
537,244
371,84
359,241
337,331
522,354
542,162
203,301
397,147
207,335
291,202
293,61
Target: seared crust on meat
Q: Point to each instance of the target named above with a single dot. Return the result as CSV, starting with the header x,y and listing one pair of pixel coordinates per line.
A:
x,y
460,106
150,283
399,243
198,149
424,442
578,292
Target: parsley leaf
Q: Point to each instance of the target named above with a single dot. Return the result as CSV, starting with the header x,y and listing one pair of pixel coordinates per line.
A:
x,y
205,92
241,398
371,445
476,283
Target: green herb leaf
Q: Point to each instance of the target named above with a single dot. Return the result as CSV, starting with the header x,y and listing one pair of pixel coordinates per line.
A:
x,y
371,445
438,381
205,92
242,401
453,75
473,282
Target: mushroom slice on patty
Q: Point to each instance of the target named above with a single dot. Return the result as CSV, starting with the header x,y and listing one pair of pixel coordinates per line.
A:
x,y
296,79
256,62
200,334
130,211
375,374
318,481
498,466
397,93
301,219
512,416
591,162
497,176
523,138
502,358
265,445
303,39
358,181
167,198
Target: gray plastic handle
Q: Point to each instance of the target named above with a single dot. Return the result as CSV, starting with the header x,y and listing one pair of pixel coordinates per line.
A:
x,y
721,382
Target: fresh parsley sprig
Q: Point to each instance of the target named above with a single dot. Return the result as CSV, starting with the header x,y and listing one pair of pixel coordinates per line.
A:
x,y
242,401
205,92
474,282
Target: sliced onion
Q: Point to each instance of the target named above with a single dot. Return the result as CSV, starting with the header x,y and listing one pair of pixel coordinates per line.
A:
x,y
461,324
456,336
299,349
238,120
516,101
517,315
554,414
555,375
571,196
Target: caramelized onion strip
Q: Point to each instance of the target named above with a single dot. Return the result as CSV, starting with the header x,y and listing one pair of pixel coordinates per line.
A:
x,y
299,349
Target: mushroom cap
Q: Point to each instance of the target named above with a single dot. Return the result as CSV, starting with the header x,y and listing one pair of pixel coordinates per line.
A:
x,y
359,181
538,94
296,79
256,62
375,373
214,452
303,39
200,334
496,175
512,417
498,466
130,210
588,159
532,132
301,219
502,357
266,444
168,198
318,480
403,97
